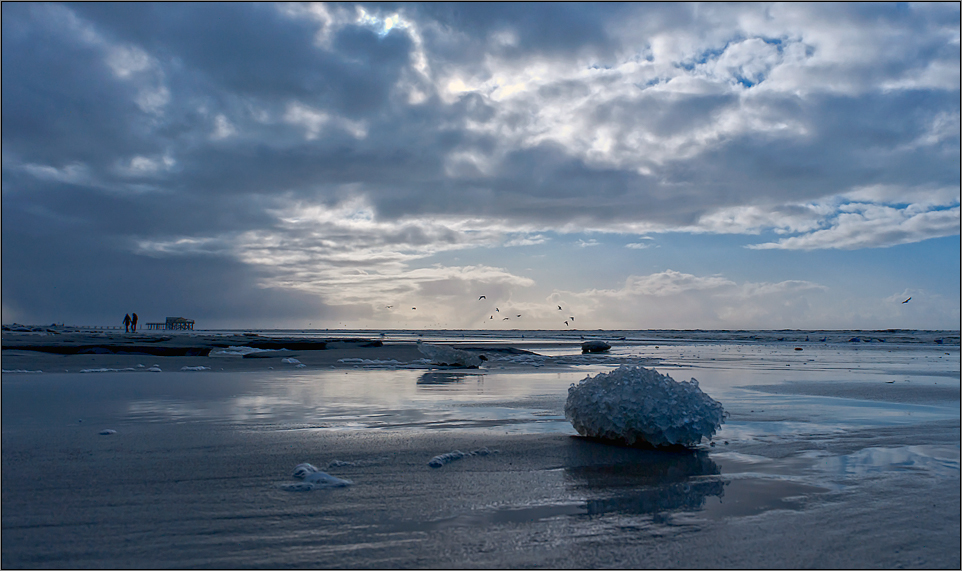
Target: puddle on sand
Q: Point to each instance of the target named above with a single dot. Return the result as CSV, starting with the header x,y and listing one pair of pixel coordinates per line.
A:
x,y
747,497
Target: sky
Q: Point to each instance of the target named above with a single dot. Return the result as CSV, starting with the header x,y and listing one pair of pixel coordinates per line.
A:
x,y
640,166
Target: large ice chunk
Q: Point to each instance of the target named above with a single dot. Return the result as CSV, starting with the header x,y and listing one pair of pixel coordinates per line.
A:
x,y
450,357
639,405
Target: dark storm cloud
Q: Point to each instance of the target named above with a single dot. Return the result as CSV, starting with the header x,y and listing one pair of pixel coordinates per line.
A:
x,y
255,50
77,272
60,101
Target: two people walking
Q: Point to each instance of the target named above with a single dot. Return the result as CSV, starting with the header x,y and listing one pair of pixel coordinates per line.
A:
x,y
130,323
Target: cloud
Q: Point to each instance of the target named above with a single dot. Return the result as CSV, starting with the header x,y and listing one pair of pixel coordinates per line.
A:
x,y
251,134
678,300
874,226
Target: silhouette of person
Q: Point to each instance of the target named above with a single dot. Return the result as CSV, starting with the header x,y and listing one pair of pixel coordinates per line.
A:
x,y
133,323
127,323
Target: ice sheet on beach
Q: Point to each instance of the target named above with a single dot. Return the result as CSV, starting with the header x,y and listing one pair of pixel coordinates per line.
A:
x,y
240,351
107,370
198,368
371,362
450,357
635,404
18,371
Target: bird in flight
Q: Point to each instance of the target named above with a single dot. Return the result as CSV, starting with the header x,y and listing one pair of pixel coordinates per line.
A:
x,y
559,308
906,301
498,310
482,297
390,306
571,318
519,315
566,324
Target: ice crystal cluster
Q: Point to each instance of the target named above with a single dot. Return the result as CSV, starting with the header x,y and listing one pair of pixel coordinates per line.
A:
x,y
639,405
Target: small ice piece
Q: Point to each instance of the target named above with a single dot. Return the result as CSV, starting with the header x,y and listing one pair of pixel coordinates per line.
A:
x,y
443,459
340,464
325,480
303,470
198,368
155,369
450,357
639,405
313,479
107,432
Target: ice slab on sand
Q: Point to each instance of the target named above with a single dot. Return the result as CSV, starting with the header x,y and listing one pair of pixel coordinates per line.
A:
x,y
450,357
313,479
639,405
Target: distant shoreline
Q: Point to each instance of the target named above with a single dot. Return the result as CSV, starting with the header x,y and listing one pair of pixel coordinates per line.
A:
x,y
64,350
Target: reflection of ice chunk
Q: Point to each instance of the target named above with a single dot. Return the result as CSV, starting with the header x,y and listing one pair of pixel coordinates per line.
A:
x,y
635,404
313,479
450,357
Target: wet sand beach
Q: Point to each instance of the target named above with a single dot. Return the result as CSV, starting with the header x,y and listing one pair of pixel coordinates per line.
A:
x,y
845,459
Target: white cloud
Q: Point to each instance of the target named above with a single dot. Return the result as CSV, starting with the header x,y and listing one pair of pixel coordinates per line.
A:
x,y
223,128
676,300
71,173
314,121
671,282
127,60
874,226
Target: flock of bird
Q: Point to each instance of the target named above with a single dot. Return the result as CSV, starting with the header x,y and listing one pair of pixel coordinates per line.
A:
x,y
498,310
518,316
